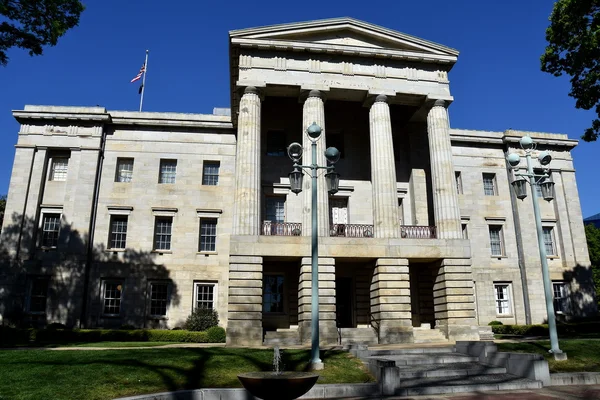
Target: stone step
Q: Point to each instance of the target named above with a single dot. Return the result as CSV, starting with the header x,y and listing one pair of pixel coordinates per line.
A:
x,y
274,334
425,358
282,338
412,350
458,369
475,383
485,333
358,336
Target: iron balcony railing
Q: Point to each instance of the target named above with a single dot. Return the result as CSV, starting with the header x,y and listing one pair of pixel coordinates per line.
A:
x,y
271,228
351,230
418,232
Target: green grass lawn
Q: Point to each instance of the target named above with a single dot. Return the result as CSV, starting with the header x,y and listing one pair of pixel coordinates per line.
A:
x,y
117,344
106,374
583,354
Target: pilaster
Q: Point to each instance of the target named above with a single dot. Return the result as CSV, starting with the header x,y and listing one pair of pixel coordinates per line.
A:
x,y
390,301
445,199
383,171
244,316
246,210
314,111
327,316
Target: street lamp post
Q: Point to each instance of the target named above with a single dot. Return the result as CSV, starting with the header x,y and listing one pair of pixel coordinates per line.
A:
x,y
332,155
547,188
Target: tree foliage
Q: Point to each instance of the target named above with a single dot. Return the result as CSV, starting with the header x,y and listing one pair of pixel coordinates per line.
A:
x,y
574,49
593,241
33,24
2,208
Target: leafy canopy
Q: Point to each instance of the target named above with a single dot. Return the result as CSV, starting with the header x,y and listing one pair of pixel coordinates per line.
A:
x,y
32,24
574,49
593,241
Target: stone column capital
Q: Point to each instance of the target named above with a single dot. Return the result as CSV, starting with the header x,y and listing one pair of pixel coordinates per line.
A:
x,y
441,103
382,98
306,94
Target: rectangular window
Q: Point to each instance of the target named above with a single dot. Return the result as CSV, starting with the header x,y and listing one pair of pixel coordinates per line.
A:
x,y
502,294
124,170
458,179
205,295
496,240
38,294
561,298
168,170
159,296
118,232
162,233
58,169
210,173
275,211
548,234
465,232
489,184
50,230
276,143
112,293
208,234
273,293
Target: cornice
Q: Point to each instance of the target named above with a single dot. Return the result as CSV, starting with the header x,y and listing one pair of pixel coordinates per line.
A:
x,y
22,116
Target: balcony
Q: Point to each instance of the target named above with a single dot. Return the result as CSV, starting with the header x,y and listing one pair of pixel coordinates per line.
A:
x,y
270,228
418,232
351,230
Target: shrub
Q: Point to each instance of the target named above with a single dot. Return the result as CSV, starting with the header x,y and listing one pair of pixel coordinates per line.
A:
x,y
492,323
127,327
201,319
56,325
215,334
159,335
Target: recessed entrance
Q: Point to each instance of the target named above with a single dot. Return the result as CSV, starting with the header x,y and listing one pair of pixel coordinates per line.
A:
x,y
344,302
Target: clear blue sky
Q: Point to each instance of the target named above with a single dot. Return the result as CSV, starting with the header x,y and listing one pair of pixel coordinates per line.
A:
x,y
497,83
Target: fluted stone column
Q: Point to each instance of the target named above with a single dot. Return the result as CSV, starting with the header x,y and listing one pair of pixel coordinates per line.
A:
x,y
246,210
314,111
327,325
383,171
390,300
445,199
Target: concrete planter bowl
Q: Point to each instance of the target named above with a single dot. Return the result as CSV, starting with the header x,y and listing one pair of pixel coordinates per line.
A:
x,y
283,386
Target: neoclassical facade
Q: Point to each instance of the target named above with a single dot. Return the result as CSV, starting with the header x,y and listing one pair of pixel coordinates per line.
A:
x,y
126,218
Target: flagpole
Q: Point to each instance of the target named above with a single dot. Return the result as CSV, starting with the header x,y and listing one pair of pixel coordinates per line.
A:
x,y
144,81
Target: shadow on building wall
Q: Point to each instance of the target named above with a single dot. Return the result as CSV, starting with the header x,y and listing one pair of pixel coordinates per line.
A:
x,y
45,285
582,298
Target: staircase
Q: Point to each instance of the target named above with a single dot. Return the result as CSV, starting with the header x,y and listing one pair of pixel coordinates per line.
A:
x,y
425,334
282,337
440,370
357,336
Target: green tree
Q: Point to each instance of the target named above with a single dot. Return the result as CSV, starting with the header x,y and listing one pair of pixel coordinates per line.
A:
x,y
2,208
574,49
593,241
33,24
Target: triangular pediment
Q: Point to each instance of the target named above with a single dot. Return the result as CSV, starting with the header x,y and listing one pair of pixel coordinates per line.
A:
x,y
342,33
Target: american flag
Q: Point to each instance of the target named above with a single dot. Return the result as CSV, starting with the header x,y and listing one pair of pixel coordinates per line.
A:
x,y
139,75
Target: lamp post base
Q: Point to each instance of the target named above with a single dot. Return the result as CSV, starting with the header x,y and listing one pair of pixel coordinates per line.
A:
x,y
316,366
560,356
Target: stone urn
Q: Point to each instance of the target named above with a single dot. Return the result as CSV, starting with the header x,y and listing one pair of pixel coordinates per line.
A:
x,y
285,385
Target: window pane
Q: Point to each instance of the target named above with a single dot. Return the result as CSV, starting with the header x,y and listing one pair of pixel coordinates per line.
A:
x,y
50,230
489,184
162,233
458,179
124,170
38,295
205,295
275,209
112,298
59,168
273,293
276,143
210,173
496,240
548,241
168,170
561,299
158,299
502,299
118,232
208,234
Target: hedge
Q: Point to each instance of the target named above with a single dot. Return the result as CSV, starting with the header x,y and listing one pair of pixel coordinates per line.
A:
x,y
12,336
567,329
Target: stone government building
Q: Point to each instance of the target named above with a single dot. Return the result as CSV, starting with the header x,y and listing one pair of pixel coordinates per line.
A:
x,y
424,240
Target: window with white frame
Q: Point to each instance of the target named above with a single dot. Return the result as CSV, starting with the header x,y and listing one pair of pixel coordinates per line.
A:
x,y
275,209
159,298
168,171
205,295
124,171
496,240
50,230
502,298
118,232
112,295
58,168
458,181
38,294
489,184
208,234
162,233
548,235
561,297
273,293
210,173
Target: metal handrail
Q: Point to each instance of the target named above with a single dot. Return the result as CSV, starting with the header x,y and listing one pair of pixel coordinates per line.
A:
x,y
418,232
351,230
270,228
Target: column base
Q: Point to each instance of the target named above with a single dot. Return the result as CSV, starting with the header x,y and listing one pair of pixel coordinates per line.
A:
x,y
459,332
328,333
244,334
395,334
